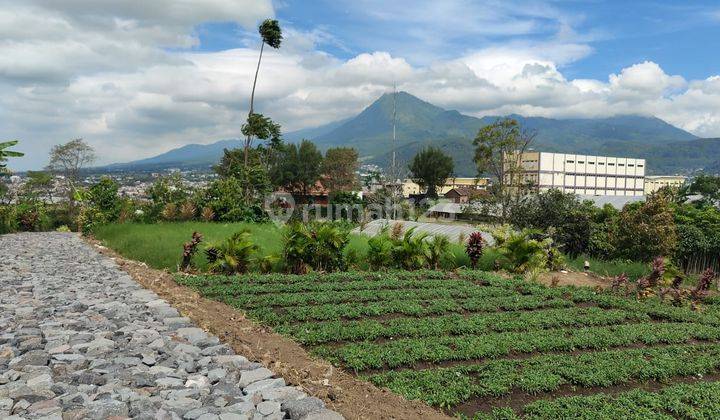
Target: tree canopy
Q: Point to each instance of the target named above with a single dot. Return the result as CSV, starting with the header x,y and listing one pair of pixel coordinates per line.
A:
x,y
271,33
340,168
430,168
298,168
70,158
497,150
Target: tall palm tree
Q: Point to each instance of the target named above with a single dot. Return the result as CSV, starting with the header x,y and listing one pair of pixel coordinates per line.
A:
x,y
272,36
5,154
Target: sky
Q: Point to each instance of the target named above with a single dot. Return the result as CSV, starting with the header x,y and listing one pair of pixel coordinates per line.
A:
x,y
137,78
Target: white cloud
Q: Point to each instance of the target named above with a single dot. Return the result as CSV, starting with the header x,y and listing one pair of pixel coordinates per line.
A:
x,y
107,75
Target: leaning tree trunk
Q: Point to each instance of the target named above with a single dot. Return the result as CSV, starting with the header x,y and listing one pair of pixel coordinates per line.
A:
x,y
252,101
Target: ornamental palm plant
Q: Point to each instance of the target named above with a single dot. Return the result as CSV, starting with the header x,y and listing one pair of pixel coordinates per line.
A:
x,y
411,251
233,255
438,250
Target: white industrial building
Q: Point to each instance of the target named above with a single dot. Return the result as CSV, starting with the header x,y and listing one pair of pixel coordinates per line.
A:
x,y
582,174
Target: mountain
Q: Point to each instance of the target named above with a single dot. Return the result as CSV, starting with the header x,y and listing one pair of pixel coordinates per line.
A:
x,y
188,156
420,123
205,155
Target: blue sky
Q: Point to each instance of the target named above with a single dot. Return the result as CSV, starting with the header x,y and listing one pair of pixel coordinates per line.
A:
x,y
136,78
682,37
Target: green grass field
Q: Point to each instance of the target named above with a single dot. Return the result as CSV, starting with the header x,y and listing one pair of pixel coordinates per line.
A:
x,y
475,344
634,270
160,245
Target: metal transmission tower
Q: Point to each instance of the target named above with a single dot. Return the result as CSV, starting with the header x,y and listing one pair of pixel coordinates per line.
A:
x,y
393,168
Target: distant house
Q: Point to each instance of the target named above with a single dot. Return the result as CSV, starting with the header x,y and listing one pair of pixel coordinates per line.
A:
x,y
655,182
464,195
410,188
316,194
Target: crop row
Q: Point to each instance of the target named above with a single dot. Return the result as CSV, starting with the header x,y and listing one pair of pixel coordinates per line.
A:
x,y
692,401
404,307
408,351
242,289
252,299
448,387
314,333
337,277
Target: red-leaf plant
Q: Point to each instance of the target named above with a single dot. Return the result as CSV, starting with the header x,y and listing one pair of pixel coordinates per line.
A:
x,y
474,248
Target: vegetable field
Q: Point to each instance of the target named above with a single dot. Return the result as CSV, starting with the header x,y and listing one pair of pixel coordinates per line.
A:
x,y
475,344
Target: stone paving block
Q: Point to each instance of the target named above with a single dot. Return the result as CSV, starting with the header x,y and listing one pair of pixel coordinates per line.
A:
x,y
87,341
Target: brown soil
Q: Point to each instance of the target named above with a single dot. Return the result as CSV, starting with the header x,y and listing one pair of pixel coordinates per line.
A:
x,y
353,398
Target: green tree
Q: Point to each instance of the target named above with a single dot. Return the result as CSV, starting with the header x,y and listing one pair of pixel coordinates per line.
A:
x,y
498,147
430,168
260,127
646,230
565,218
340,169
708,187
69,159
40,183
226,198
105,199
5,154
299,168
254,177
271,35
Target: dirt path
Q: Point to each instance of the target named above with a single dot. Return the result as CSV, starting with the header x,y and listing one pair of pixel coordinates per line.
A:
x,y
341,391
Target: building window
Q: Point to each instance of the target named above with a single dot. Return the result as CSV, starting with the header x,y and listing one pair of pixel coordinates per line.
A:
x,y
631,166
591,163
621,164
611,164
570,161
640,166
601,163
581,161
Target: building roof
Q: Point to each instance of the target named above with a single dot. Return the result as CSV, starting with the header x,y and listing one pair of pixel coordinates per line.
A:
x,y
467,191
617,201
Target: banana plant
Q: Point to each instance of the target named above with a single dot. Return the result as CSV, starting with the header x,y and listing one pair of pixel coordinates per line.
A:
x,y
5,154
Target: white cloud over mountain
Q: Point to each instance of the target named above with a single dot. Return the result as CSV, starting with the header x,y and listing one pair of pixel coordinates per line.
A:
x,y
120,75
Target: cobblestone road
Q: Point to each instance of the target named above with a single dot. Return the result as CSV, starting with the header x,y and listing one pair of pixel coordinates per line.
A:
x,y
79,339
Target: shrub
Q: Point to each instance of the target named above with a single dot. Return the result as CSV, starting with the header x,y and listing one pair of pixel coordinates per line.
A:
x,y
317,246
519,252
409,251
645,230
207,214
189,251
187,211
569,218
225,197
555,258
233,255
438,251
474,248
703,286
103,197
169,211
380,249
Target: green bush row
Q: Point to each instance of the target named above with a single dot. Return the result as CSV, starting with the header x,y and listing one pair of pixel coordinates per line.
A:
x,y
409,351
448,387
